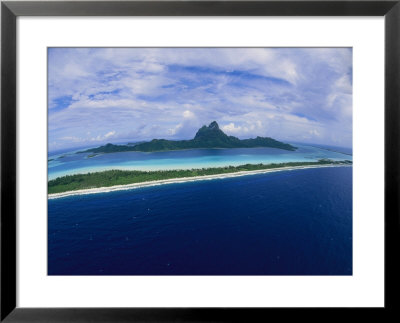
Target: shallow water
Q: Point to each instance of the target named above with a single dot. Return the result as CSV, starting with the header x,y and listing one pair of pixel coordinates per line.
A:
x,y
72,163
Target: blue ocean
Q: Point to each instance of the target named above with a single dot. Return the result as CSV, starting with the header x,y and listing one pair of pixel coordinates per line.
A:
x,y
295,222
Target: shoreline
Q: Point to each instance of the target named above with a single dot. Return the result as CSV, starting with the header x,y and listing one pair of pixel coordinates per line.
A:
x,y
107,189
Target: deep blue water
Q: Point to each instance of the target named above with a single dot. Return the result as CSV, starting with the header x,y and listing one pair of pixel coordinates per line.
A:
x,y
283,223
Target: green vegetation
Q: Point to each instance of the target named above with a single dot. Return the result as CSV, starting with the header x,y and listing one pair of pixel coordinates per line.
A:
x,y
120,177
92,155
206,137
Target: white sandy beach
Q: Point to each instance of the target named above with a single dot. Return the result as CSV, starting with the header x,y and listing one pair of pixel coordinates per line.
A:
x,y
181,180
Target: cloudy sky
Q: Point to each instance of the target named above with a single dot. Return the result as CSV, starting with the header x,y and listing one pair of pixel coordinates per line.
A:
x,y
101,95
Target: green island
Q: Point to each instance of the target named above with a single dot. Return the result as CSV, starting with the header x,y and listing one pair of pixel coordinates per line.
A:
x,y
92,155
206,137
124,177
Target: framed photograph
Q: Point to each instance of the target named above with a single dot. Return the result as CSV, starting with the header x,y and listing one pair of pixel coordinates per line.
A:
x,y
198,161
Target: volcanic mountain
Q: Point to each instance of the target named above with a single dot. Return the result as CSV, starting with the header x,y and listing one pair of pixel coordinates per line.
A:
x,y
206,137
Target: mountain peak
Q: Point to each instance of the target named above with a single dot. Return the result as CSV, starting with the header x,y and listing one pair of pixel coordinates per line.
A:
x,y
213,125
210,133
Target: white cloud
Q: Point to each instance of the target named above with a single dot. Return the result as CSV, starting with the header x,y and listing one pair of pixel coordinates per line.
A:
x,y
175,130
146,93
188,114
231,128
109,134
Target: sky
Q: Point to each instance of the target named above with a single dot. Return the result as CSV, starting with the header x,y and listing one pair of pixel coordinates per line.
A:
x,y
102,95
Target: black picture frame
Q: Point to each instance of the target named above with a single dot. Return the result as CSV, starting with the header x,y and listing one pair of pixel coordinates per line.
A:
x,y
10,10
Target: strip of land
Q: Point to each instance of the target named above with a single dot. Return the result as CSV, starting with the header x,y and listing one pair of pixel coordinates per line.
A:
x,y
115,180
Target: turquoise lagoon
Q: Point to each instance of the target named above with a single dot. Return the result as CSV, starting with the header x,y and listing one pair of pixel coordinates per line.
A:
x,y
68,163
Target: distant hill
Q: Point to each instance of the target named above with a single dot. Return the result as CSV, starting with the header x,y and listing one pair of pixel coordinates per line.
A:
x,y
206,137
